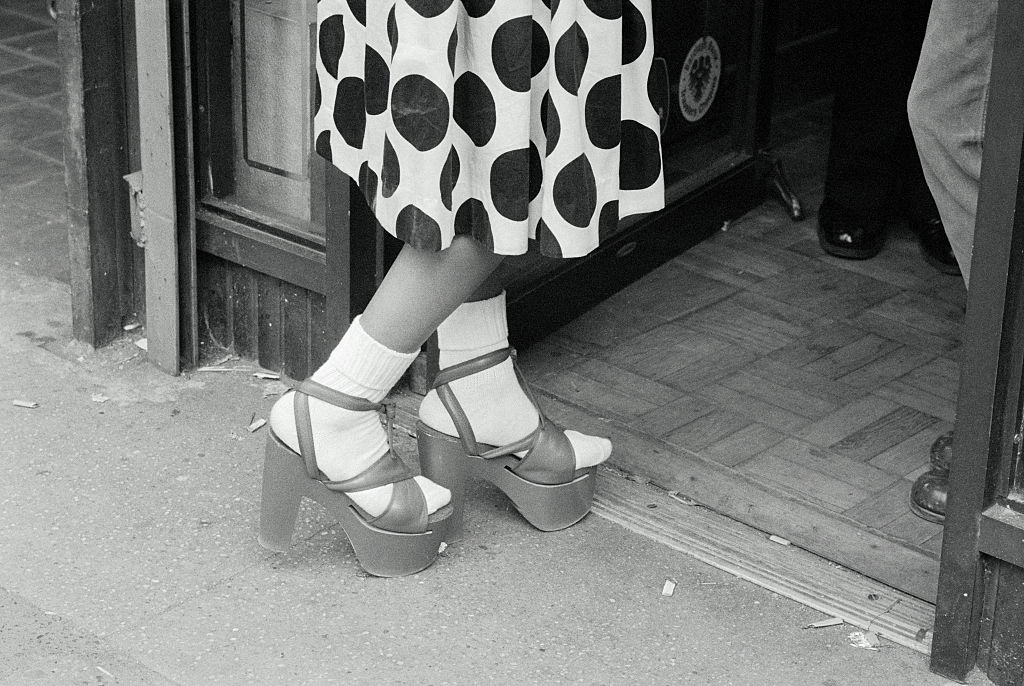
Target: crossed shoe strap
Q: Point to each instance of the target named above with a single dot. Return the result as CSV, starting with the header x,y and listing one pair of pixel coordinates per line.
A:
x,y
549,455
407,510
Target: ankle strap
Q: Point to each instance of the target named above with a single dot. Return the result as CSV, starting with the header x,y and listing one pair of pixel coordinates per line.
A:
x,y
458,415
336,398
470,367
304,424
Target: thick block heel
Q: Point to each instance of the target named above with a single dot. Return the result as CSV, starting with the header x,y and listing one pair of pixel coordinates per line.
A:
x,y
380,552
284,484
443,460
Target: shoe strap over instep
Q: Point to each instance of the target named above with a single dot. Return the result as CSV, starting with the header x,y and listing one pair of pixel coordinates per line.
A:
x,y
549,458
407,510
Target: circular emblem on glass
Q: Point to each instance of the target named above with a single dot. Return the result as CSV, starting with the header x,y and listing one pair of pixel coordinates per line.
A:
x,y
698,82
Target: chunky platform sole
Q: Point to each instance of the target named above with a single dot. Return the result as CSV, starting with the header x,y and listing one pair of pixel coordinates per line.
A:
x,y
379,552
443,460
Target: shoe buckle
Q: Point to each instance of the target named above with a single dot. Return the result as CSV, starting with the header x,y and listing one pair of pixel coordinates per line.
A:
x,y
387,408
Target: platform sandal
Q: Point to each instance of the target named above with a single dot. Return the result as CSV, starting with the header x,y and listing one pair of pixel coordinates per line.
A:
x,y
402,540
543,485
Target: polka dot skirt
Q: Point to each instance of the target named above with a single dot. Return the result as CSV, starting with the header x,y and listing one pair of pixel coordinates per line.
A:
x,y
506,120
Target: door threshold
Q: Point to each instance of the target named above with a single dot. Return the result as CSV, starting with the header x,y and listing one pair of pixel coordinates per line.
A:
x,y
747,553
767,561
731,493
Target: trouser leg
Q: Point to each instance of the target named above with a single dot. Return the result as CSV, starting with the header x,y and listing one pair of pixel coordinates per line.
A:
x,y
872,158
947,112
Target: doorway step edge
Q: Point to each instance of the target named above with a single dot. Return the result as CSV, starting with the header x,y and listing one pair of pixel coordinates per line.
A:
x,y
767,561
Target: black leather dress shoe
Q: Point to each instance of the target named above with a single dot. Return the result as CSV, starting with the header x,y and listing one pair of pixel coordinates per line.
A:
x,y
935,244
929,492
854,238
928,496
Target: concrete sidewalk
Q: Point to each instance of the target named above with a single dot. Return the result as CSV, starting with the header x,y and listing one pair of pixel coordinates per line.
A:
x,y
128,510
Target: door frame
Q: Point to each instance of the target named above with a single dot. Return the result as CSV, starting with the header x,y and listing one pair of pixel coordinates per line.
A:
x,y
979,619
96,53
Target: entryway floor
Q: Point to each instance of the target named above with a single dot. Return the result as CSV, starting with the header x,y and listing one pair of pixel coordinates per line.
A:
x,y
793,391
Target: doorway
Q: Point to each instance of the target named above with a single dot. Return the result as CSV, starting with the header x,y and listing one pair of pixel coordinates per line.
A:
x,y
790,390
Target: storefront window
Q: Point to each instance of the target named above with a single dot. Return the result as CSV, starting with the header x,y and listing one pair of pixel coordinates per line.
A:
x,y
703,51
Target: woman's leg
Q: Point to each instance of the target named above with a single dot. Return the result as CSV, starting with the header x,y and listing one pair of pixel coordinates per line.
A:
x,y
420,290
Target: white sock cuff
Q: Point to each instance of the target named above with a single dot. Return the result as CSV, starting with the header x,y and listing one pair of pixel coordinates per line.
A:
x,y
363,361
475,325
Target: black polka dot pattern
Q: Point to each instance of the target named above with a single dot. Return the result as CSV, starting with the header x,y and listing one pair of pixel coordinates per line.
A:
x,y
390,171
378,77
511,53
453,45
350,110
639,145
634,32
576,192
550,122
331,43
323,145
608,222
510,178
603,113
514,122
418,229
420,111
477,8
571,55
606,9
540,50
475,111
472,220
429,8
358,8
392,29
450,177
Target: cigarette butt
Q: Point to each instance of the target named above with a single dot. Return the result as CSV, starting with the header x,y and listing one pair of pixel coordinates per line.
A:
x,y
831,621
26,403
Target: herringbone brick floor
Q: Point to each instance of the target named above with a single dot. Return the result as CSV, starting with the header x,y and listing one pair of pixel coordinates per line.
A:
x,y
787,388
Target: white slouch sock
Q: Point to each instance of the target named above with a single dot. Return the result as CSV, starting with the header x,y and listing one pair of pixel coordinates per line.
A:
x,y
495,403
346,441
